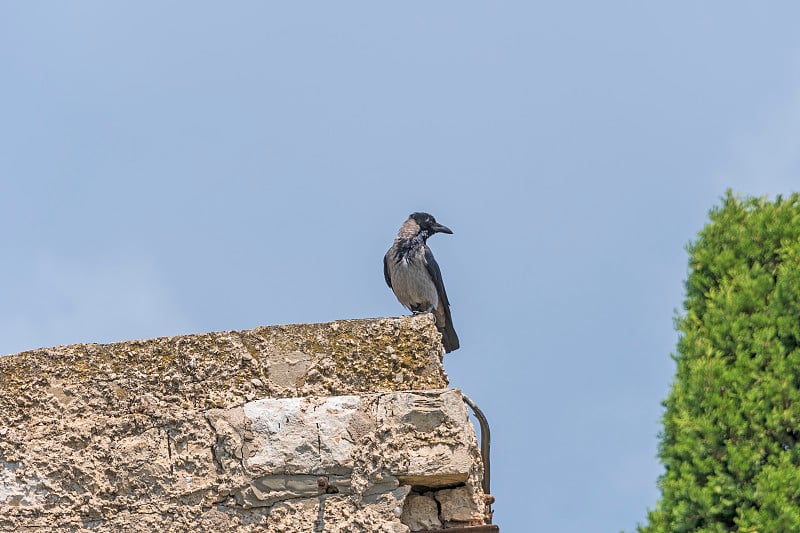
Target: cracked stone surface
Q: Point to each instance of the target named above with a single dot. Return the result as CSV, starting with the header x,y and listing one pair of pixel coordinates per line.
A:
x,y
232,431
420,513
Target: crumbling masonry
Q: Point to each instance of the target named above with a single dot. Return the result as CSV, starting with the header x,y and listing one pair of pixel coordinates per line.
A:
x,y
340,427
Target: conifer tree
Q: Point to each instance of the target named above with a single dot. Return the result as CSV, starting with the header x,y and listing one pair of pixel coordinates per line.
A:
x,y
730,444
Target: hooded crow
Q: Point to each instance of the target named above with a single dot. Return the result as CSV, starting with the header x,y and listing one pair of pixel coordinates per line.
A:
x,y
414,276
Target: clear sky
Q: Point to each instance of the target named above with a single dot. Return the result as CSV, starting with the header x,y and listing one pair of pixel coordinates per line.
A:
x,y
177,167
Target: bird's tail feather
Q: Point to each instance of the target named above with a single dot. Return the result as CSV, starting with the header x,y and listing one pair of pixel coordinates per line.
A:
x,y
444,323
449,337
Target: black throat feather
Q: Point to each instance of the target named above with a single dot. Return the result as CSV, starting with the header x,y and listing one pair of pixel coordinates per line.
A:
x,y
407,248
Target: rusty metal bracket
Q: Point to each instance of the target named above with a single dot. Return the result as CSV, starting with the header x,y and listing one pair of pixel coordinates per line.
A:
x,y
486,442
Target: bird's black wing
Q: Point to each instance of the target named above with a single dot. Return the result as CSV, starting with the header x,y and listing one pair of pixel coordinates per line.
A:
x,y
436,276
386,270
449,336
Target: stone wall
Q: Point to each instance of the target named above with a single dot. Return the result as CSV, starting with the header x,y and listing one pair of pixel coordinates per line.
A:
x,y
345,426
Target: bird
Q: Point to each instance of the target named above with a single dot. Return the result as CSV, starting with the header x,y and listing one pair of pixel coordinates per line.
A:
x,y
414,275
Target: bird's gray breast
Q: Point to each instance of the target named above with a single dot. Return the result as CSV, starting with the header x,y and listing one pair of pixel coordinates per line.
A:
x,y
411,282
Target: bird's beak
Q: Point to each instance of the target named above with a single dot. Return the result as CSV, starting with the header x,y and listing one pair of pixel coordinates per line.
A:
x,y
438,228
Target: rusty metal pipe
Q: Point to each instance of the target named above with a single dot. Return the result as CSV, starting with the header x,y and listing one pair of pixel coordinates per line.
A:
x,y
467,529
486,442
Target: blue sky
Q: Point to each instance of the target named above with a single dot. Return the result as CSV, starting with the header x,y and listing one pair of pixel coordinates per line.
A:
x,y
177,167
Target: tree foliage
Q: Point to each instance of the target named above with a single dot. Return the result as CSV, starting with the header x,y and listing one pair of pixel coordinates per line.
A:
x,y
731,438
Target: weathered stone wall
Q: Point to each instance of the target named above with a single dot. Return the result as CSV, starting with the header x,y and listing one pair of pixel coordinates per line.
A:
x,y
345,426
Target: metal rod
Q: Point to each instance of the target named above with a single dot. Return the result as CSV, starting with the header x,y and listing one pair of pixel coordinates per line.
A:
x,y
468,529
486,441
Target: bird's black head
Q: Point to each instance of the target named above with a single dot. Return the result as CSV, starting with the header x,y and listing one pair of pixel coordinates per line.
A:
x,y
428,225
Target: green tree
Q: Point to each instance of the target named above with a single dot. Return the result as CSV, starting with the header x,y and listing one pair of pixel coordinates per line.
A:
x,y
731,438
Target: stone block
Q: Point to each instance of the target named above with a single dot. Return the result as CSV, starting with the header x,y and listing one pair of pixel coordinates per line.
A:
x,y
366,445
458,505
157,376
421,513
